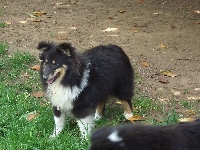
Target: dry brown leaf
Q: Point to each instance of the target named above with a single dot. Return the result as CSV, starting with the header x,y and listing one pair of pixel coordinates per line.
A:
x,y
172,27
197,11
198,22
39,13
135,31
169,74
162,79
122,11
32,115
36,67
189,119
110,29
190,112
23,22
145,63
37,20
140,1
163,46
136,118
38,94
8,22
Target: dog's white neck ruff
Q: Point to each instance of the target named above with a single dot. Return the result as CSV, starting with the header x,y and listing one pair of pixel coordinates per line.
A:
x,y
63,96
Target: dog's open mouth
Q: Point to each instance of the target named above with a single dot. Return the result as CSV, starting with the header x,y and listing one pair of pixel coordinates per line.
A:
x,y
50,81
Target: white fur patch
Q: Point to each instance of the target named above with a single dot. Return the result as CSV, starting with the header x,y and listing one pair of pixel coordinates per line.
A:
x,y
128,115
97,116
62,97
59,124
86,125
114,137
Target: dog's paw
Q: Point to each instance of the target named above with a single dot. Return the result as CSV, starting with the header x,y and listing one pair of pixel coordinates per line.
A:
x,y
52,136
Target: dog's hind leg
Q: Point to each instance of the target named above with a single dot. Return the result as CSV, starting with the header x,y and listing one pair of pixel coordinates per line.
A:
x,y
99,110
128,111
86,125
59,119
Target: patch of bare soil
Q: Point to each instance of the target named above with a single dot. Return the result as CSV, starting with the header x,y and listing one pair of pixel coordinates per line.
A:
x,y
161,38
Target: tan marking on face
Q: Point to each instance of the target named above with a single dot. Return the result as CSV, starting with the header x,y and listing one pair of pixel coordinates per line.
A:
x,y
61,72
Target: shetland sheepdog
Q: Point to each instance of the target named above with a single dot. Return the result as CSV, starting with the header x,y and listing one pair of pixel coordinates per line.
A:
x,y
185,136
78,84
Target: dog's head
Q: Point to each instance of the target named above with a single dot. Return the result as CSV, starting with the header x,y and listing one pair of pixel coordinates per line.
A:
x,y
56,60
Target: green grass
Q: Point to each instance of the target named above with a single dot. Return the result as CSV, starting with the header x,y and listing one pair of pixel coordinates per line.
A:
x,y
2,24
16,101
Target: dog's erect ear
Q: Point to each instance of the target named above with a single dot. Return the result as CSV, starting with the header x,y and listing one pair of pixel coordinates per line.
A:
x,y
67,49
44,46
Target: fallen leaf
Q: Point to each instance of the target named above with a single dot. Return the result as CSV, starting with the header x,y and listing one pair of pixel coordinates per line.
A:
x,y
186,119
110,18
190,112
172,27
193,97
37,20
8,22
198,22
140,1
135,118
197,11
37,14
38,94
197,89
162,79
22,22
110,29
31,15
135,31
32,115
59,4
36,67
122,11
163,46
169,74
145,63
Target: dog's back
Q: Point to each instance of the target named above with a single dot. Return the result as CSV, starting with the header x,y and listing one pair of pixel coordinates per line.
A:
x,y
111,67
140,137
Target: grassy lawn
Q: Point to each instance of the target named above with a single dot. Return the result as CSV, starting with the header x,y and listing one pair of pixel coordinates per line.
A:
x,y
17,84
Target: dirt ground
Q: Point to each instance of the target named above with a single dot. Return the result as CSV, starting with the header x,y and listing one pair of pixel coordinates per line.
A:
x,y
160,37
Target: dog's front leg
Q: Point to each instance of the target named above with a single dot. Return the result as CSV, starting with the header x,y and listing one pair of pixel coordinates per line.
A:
x,y
59,119
86,125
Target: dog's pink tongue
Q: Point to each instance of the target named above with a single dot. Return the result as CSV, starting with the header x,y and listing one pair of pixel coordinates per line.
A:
x,y
49,81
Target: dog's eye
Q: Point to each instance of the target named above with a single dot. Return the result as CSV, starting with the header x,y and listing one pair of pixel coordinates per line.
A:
x,y
55,64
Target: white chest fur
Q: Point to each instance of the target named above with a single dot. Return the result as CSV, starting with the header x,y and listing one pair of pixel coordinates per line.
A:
x,y
60,96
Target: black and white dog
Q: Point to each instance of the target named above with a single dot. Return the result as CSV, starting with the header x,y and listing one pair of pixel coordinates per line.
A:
x,y
185,136
78,84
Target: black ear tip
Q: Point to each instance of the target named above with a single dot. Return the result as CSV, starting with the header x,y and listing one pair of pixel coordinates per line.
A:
x,y
44,44
64,46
